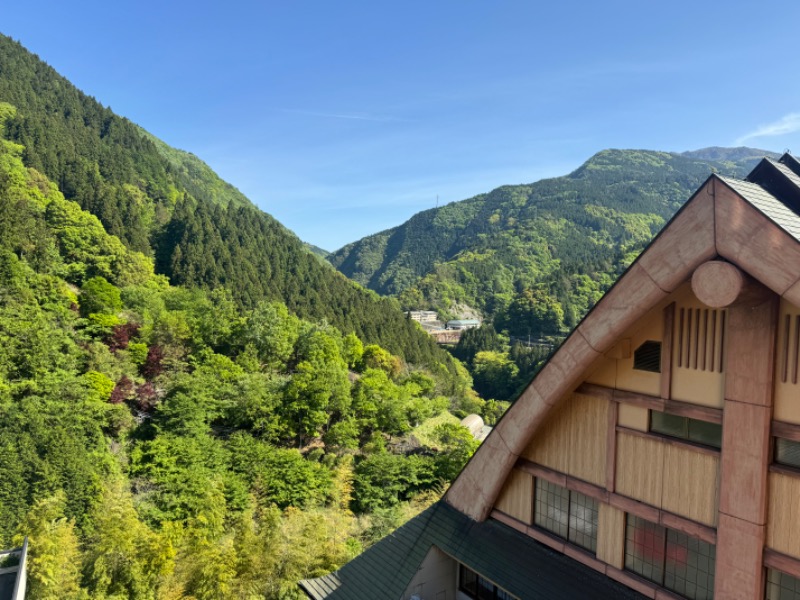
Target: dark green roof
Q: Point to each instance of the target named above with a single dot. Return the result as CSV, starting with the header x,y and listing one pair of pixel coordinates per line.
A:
x,y
518,563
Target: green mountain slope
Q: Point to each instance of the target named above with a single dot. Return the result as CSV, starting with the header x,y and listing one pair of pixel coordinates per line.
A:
x,y
564,238
169,205
163,442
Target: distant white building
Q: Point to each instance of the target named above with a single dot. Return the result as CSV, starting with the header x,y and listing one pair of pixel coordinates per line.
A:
x,y
423,316
463,324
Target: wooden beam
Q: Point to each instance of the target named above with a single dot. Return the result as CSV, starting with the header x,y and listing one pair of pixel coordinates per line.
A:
x,y
788,431
781,562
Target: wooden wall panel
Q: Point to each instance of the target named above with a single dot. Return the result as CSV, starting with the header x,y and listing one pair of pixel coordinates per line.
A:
x,y
574,439
633,417
611,535
650,327
640,466
588,439
516,499
550,446
783,524
691,484
787,365
698,352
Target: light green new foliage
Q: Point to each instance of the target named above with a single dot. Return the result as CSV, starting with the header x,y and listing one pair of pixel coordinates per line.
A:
x,y
124,558
54,557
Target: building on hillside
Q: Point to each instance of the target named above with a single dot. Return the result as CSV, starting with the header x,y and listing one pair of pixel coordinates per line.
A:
x,y
13,572
423,316
657,453
459,324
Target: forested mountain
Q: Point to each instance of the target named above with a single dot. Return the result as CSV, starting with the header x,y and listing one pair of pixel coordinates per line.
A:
x,y
168,442
536,256
169,205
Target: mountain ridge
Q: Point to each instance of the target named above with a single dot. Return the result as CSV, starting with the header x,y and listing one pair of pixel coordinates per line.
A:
x,y
557,232
170,206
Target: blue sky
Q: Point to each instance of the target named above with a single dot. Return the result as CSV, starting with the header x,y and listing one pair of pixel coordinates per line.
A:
x,y
345,118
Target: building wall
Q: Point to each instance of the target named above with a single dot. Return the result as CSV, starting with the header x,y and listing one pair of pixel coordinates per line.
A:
x,y
435,579
598,441
573,440
787,365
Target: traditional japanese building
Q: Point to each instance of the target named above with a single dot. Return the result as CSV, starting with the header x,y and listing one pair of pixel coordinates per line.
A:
x,y
657,453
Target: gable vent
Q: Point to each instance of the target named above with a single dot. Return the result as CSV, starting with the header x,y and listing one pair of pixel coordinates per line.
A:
x,y
647,357
700,339
790,352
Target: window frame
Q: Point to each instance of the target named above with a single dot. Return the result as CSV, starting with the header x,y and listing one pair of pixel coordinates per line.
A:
x,y
574,500
476,594
768,583
687,437
792,445
671,550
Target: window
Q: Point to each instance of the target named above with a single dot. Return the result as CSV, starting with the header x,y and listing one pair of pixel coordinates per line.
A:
x,y
647,357
693,430
787,452
568,514
682,564
478,588
781,586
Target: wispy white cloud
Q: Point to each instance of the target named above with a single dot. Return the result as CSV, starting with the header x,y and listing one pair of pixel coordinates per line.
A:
x,y
349,116
786,124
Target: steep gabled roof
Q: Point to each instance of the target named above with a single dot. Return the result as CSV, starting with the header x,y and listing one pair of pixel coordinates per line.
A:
x,y
527,568
753,224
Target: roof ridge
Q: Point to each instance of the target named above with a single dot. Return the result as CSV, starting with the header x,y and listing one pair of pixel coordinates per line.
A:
x,y
779,180
790,161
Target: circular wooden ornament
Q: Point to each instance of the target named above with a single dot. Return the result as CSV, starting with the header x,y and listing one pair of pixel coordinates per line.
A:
x,y
717,284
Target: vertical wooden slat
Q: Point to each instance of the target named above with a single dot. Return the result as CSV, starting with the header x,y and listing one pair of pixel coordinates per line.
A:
x,y
785,352
723,314
712,360
704,343
611,445
680,337
796,358
696,337
666,351
688,338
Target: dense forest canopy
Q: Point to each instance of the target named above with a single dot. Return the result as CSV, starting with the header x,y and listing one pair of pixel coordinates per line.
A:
x,y
168,442
192,404
168,205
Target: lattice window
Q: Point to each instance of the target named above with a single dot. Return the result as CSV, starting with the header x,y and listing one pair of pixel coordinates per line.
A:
x,y
667,557
568,514
700,336
686,428
787,452
781,586
790,351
